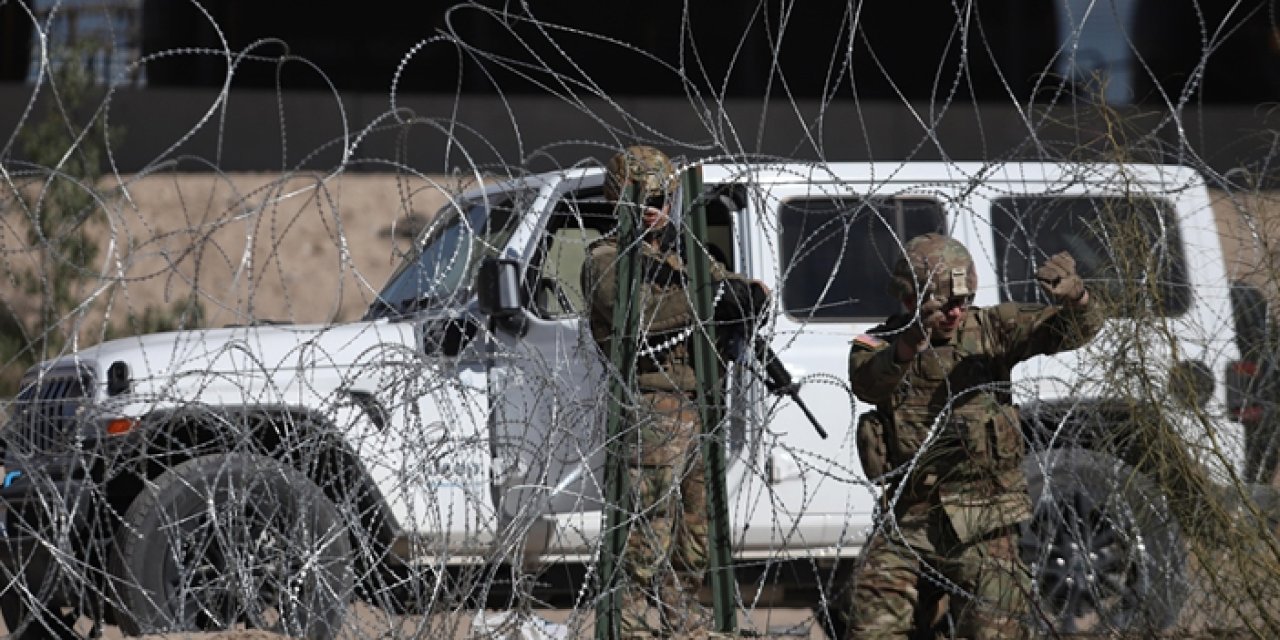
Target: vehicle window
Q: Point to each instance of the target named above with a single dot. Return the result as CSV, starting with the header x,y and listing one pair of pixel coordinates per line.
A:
x,y
442,267
584,216
559,292
1125,248
837,254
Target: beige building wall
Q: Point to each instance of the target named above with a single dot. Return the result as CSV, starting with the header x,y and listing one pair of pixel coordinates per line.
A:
x,y
1249,223
251,247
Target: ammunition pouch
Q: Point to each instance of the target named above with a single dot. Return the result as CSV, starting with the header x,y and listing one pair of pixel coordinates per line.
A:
x,y
974,517
872,450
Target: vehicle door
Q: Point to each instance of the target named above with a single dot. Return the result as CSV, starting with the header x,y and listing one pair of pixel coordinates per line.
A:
x,y
433,455
546,378
549,383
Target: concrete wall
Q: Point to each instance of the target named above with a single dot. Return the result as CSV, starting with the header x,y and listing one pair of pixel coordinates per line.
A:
x,y
247,130
228,194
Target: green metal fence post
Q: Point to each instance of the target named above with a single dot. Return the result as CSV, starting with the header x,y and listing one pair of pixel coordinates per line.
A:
x,y
622,391
710,403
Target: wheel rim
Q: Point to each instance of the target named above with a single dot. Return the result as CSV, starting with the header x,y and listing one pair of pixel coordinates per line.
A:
x,y
234,565
1089,562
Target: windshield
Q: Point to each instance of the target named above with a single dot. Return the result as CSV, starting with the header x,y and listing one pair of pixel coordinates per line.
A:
x,y
440,270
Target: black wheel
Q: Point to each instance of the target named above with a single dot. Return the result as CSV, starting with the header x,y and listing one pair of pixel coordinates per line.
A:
x,y
1104,551
233,540
49,585
28,615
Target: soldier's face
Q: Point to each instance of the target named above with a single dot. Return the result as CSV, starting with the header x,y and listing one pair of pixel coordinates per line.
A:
x,y
945,326
953,312
656,212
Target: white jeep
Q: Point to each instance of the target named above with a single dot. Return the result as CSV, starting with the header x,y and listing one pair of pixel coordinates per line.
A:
x,y
429,455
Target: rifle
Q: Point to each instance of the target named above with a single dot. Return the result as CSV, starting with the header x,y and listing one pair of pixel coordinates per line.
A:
x,y
778,380
736,310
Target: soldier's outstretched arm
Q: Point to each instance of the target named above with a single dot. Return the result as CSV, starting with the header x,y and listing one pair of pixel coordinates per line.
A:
x,y
1069,323
1033,329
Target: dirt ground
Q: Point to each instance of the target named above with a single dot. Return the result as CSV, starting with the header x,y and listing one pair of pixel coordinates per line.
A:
x,y
367,623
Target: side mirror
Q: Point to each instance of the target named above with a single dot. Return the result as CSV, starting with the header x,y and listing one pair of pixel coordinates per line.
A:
x,y
498,293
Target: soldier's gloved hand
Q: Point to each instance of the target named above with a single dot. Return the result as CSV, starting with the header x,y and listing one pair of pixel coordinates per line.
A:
x,y
1058,279
742,302
916,334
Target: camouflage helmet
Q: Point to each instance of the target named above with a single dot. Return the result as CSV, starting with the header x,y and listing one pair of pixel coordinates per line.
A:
x,y
938,262
643,163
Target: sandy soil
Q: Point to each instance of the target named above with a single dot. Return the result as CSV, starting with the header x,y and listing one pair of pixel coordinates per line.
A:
x,y
366,623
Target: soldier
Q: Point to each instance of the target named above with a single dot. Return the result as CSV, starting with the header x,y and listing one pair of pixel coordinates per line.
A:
x,y
666,552
945,436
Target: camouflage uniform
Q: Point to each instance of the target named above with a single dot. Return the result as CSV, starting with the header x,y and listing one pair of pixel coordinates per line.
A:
x,y
666,553
953,527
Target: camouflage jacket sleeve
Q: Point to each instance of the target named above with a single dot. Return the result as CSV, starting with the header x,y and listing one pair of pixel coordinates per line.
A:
x,y
720,272
1027,330
664,308
599,281
874,373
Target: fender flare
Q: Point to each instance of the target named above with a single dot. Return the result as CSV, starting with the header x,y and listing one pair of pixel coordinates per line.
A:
x,y
197,426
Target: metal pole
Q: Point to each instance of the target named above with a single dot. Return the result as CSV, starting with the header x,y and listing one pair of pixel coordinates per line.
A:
x,y
710,402
622,392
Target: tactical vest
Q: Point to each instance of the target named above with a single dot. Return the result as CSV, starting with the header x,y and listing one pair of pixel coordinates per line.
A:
x,y
663,358
954,408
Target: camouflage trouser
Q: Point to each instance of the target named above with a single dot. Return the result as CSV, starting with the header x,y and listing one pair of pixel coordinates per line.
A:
x,y
666,553
915,559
